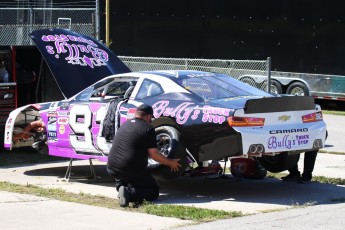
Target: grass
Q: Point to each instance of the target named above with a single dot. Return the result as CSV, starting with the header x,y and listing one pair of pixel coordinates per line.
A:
x,y
166,210
342,113
319,179
331,152
189,213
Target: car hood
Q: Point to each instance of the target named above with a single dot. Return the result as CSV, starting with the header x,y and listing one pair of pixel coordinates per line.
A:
x,y
75,60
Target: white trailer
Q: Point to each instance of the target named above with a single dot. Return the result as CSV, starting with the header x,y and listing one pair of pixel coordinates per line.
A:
x,y
320,86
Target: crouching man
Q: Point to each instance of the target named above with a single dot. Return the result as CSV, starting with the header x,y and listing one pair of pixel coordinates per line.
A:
x,y
133,143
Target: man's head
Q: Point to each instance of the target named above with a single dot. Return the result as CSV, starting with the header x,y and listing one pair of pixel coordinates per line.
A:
x,y
144,112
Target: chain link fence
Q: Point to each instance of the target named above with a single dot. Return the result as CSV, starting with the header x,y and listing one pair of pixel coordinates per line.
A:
x,y
16,24
238,69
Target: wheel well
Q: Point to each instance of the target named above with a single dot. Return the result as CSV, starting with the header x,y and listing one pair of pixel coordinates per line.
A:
x,y
26,116
165,121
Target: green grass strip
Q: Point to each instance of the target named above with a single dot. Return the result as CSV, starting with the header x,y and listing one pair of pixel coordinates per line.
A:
x,y
342,113
189,213
165,210
319,179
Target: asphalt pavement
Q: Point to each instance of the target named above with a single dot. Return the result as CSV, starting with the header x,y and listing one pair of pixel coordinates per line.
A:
x,y
248,196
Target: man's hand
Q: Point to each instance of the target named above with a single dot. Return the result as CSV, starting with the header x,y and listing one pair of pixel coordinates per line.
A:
x,y
174,165
157,156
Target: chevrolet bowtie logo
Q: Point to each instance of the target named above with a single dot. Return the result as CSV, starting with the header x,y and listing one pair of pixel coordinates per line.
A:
x,y
284,118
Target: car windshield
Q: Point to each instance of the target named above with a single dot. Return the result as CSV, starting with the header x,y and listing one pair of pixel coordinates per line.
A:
x,y
218,86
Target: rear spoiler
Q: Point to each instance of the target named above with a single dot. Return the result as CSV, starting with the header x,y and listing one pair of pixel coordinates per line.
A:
x,y
279,104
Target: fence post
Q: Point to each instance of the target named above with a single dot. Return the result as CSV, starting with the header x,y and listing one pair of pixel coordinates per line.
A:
x,y
97,21
268,74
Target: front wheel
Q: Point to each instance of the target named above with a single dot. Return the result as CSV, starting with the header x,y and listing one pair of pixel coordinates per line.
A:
x,y
170,144
276,87
279,162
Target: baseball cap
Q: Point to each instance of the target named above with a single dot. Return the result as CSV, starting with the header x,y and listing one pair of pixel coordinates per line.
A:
x,y
145,108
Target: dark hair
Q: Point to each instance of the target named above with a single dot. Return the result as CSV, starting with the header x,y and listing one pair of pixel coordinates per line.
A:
x,y
147,109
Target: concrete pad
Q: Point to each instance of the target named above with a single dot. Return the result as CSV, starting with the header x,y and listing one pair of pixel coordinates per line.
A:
x,y
33,213
248,196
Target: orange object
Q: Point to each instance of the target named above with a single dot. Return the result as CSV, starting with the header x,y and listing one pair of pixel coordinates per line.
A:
x,y
29,130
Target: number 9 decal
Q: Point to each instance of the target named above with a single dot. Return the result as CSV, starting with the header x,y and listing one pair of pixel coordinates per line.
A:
x,y
81,123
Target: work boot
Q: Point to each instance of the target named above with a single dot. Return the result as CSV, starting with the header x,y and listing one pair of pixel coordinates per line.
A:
x,y
124,197
291,177
305,179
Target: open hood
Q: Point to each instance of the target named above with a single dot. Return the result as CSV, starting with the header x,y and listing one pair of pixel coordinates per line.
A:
x,y
75,60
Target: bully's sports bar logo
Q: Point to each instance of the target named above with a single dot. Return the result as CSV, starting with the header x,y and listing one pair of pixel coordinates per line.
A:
x,y
79,51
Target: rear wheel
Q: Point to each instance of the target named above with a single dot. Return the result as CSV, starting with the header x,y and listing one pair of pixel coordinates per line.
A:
x,y
279,162
298,89
169,143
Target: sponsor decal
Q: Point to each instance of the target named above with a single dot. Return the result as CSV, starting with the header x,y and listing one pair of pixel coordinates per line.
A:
x,y
53,106
52,120
287,141
284,118
62,120
52,117
131,113
63,113
64,106
52,136
8,124
7,137
201,75
52,114
37,106
84,53
185,111
282,131
62,129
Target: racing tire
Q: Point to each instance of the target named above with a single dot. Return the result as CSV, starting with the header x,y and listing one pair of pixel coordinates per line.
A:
x,y
276,87
279,162
170,144
298,89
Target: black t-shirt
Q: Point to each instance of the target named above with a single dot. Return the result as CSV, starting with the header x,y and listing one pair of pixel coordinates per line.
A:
x,y
129,150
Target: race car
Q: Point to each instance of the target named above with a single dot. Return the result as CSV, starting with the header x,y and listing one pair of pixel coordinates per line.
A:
x,y
198,116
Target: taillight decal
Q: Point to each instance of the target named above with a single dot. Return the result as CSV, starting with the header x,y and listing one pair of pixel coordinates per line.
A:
x,y
245,121
312,117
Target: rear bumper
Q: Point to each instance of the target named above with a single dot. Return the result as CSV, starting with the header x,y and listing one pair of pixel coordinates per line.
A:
x,y
265,140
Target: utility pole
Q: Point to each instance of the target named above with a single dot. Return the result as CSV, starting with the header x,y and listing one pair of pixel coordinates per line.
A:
x,y
107,42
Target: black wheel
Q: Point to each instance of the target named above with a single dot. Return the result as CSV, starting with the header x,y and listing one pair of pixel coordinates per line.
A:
x,y
298,89
40,143
276,87
279,162
169,143
249,81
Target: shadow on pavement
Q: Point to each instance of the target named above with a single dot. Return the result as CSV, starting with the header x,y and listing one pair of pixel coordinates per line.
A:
x,y
268,190
201,190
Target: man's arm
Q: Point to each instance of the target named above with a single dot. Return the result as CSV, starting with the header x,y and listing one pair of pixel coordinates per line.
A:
x,y
157,156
